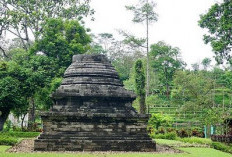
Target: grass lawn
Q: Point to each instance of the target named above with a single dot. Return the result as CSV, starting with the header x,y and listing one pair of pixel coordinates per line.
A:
x,y
174,143
189,152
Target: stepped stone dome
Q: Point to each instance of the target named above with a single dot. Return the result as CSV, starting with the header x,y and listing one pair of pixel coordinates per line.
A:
x,y
92,76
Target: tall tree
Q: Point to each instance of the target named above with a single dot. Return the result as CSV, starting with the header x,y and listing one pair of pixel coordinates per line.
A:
x,y
206,63
218,21
144,13
24,18
140,85
196,66
166,61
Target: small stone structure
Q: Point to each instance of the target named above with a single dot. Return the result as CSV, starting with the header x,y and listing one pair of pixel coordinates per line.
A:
x,y
93,112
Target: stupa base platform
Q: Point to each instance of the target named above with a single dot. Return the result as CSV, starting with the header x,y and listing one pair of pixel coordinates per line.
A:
x,y
94,145
96,132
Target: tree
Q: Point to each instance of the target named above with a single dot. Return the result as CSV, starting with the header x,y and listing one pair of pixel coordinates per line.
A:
x,y
40,70
219,24
61,40
158,120
13,89
22,18
144,12
43,100
193,92
165,61
206,63
195,66
140,85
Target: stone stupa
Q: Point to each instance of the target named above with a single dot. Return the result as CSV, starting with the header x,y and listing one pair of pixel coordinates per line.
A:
x,y
93,112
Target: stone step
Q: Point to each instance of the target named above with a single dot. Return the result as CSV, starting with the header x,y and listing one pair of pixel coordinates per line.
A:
x,y
89,133
94,145
66,137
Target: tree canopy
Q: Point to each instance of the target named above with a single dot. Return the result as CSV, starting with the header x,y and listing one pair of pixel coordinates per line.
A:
x,y
165,61
60,40
218,22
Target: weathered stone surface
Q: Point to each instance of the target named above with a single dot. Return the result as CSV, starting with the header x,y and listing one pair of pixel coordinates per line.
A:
x,y
93,112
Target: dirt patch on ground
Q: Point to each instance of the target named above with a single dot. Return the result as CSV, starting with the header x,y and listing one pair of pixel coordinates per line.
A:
x,y
27,146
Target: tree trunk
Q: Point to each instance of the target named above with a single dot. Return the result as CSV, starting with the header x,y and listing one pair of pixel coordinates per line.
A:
x,y
148,75
31,114
167,86
22,120
3,117
142,104
167,91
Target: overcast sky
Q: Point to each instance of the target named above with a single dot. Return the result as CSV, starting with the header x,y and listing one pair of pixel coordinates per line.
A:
x,y
177,24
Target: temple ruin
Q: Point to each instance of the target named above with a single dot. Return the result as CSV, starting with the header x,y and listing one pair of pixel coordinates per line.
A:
x,y
93,112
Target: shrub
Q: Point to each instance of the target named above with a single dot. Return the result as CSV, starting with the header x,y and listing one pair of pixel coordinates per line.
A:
x,y
171,130
197,133
7,140
20,134
16,128
169,136
161,131
182,133
7,125
221,147
158,120
222,138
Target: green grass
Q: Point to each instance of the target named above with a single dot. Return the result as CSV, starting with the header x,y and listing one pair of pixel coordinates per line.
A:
x,y
189,152
11,138
178,144
168,142
205,152
4,148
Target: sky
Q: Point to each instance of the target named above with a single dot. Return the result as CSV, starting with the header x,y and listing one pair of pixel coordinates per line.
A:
x,y
177,24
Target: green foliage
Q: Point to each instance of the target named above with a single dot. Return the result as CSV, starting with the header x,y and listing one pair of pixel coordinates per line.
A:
x,y
8,125
139,78
42,96
169,136
7,140
192,92
143,11
11,138
222,147
20,134
165,61
60,41
219,24
158,120
14,89
157,101
124,66
206,63
140,84
24,19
